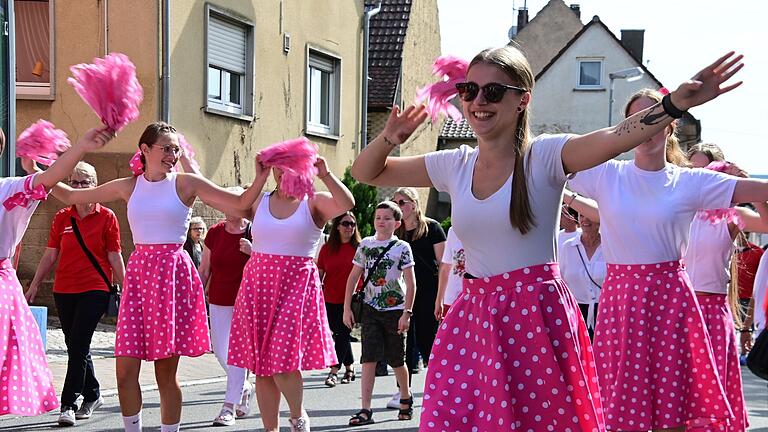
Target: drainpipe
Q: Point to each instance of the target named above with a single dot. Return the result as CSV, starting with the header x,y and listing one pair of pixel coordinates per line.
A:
x,y
166,64
366,37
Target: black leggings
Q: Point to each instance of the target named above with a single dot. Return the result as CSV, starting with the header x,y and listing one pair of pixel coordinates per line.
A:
x,y
341,332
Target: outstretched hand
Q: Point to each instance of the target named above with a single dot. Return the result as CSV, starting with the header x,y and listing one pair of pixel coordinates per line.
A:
x,y
708,83
400,125
96,138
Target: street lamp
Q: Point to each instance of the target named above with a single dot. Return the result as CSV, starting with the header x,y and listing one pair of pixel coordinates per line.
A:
x,y
631,74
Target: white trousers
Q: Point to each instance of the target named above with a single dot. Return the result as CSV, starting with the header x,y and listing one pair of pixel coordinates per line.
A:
x,y
221,321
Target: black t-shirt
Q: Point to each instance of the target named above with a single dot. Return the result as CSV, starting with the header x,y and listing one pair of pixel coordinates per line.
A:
x,y
426,262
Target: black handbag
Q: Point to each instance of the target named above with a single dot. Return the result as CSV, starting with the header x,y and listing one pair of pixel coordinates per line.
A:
x,y
113,305
358,298
757,359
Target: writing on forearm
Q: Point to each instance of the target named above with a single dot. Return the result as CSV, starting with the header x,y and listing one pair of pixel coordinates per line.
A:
x,y
654,115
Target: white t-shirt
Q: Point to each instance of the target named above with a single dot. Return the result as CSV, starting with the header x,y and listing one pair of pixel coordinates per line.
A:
x,y
491,243
14,222
386,289
576,273
453,254
759,291
708,257
563,236
645,216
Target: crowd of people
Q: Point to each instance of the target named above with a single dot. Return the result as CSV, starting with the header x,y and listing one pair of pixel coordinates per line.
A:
x,y
572,291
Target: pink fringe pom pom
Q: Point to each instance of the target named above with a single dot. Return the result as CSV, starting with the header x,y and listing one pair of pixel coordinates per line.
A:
x,y
296,158
729,215
42,142
187,148
451,70
110,87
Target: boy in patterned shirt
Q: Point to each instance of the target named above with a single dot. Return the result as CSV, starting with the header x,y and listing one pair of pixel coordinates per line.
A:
x,y
386,315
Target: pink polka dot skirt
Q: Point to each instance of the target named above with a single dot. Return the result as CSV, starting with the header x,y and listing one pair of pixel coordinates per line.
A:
x,y
279,323
162,312
718,320
26,384
513,355
653,353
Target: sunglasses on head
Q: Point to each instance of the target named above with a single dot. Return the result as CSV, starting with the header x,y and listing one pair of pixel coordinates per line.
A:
x,y
493,92
347,224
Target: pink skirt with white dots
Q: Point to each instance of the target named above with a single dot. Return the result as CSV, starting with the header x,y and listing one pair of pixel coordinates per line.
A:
x,y
653,352
162,311
279,323
26,384
513,355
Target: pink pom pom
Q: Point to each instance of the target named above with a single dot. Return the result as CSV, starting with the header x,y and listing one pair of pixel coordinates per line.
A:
x,y
729,215
187,148
110,87
719,166
296,158
451,70
42,142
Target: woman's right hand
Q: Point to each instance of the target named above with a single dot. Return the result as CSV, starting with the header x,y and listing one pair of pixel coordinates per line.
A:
x,y
400,125
706,85
262,171
31,292
439,310
245,246
349,319
95,139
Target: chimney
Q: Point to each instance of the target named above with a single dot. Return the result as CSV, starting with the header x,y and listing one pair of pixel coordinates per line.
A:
x,y
633,42
576,9
522,18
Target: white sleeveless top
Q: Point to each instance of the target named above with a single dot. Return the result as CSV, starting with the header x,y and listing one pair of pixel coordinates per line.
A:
x,y
156,214
296,235
708,256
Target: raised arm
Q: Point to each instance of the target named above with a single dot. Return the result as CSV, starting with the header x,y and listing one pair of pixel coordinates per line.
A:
x,y
584,206
587,151
375,167
61,169
113,190
750,190
326,206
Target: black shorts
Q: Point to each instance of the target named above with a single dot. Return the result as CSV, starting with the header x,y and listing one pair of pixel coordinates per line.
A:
x,y
381,341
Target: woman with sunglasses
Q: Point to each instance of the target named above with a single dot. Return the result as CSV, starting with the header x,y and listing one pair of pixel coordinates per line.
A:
x,y
79,291
162,312
334,264
514,352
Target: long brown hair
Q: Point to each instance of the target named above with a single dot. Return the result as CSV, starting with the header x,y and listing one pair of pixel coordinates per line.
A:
x,y
512,62
421,222
674,153
334,238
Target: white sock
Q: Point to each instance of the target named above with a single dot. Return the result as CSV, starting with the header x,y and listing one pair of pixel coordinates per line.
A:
x,y
132,423
170,428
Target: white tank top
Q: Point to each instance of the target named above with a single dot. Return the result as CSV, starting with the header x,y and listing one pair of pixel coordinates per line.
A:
x,y
156,214
296,235
708,256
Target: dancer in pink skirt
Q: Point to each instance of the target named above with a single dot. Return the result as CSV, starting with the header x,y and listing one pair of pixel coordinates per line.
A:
x,y
26,384
513,353
162,312
279,327
654,355
709,256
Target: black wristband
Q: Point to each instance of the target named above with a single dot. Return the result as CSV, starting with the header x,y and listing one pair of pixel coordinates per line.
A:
x,y
670,108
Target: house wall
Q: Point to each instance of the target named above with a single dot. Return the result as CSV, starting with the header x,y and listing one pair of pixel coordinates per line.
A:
x,y
547,33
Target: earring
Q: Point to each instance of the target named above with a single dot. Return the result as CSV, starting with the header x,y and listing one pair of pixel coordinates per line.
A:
x,y
519,109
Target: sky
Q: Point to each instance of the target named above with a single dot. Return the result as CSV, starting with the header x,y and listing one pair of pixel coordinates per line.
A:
x,y
681,37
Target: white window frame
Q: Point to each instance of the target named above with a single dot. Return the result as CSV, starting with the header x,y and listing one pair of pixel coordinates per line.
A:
x,y
579,61
226,106
39,90
331,64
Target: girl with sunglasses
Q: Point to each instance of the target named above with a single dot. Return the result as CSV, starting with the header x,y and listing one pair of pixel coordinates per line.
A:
x,y
162,311
27,384
514,352
334,264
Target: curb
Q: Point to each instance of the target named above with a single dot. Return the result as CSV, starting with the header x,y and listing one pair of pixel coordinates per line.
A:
x,y
153,387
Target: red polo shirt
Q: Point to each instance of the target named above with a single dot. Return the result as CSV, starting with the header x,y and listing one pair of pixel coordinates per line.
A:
x,y
227,264
101,233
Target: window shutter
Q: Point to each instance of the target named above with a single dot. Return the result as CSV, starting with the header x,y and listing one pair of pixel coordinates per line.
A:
x,y
226,45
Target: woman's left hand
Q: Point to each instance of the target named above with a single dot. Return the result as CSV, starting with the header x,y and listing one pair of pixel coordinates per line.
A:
x,y
706,85
322,167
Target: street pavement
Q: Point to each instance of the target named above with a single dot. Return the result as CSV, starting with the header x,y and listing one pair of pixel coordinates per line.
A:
x,y
203,385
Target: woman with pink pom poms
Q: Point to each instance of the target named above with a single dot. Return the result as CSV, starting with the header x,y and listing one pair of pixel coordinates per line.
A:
x,y
279,327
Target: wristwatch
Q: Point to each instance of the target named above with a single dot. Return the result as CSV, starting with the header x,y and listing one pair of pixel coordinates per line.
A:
x,y
408,311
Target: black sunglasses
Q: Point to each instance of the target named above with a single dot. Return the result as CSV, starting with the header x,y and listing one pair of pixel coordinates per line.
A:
x,y
348,224
401,203
493,92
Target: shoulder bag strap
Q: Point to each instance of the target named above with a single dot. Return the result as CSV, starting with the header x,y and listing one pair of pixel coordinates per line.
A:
x,y
586,269
88,253
376,263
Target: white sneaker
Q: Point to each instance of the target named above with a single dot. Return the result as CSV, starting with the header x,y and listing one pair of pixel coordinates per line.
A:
x,y
87,409
225,418
300,424
394,403
246,401
67,417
